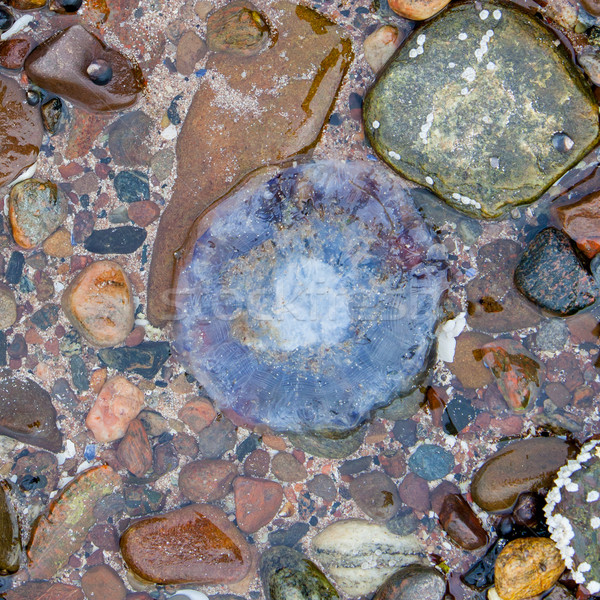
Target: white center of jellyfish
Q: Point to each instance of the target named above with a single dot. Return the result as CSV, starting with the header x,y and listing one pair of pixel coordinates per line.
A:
x,y
311,305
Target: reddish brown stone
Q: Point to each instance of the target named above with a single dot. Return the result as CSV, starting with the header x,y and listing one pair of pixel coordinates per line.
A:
x,y
197,414
207,480
105,536
143,212
256,502
393,464
461,524
564,368
286,467
190,49
103,582
185,444
581,222
45,590
13,52
257,463
376,495
414,492
134,451
83,131
194,544
135,337
438,495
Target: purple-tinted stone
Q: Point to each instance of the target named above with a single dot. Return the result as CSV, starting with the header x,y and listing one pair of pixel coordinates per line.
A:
x,y
309,296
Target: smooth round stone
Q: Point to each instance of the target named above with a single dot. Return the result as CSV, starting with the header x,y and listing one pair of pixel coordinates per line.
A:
x,y
8,307
287,574
206,480
329,447
415,582
115,240
360,555
256,502
527,567
309,296
194,544
521,466
376,495
380,45
433,116
431,462
36,209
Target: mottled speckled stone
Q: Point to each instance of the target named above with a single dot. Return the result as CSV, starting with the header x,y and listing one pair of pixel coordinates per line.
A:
x,y
412,582
460,111
287,574
550,274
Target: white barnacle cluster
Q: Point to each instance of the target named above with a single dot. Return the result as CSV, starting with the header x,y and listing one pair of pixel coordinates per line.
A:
x,y
469,74
426,127
561,530
419,49
483,45
466,200
393,155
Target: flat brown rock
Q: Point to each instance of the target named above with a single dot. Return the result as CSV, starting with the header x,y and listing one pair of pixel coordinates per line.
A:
x,y
99,303
194,544
282,97
256,502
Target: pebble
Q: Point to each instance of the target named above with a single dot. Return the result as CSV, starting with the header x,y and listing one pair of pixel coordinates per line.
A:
x,y
405,431
164,459
286,573
415,582
162,164
117,404
467,365
128,139
61,65
190,50
145,359
288,468
45,590
10,542
132,186
590,63
550,275
393,463
290,536
380,45
521,466
8,307
552,335
257,501
58,244
414,492
189,532
404,522
461,524
580,222
238,28
115,240
102,582
360,555
431,462
52,112
257,463
36,209
197,414
154,423
143,212
13,52
417,10
527,567
357,465
217,439
376,495
207,480
325,447
27,414
134,451
79,374
99,303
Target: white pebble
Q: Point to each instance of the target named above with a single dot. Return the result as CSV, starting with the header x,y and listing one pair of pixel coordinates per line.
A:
x,y
489,33
584,567
593,587
491,66
375,124
17,26
421,39
429,180
593,496
420,50
497,14
413,53
462,36
169,133
595,522
484,14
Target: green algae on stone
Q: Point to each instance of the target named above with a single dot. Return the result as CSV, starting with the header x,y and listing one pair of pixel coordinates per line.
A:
x,y
287,574
471,107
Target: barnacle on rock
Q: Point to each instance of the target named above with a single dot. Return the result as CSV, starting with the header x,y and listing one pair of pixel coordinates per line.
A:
x,y
573,515
309,296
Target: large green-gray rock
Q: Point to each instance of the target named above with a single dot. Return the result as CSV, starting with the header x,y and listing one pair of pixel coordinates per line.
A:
x,y
482,107
288,575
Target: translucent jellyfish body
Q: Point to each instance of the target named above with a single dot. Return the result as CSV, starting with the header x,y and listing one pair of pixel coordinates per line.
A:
x,y
309,296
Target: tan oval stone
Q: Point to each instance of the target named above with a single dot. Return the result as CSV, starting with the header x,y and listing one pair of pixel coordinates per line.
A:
x,y
522,466
468,365
527,567
194,544
417,10
99,303
58,244
118,403
380,45
8,307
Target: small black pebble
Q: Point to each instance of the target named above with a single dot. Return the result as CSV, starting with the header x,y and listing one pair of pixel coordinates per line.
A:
x,y
100,71
33,97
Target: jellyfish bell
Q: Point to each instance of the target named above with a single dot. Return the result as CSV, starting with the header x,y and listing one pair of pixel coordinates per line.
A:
x,y
309,296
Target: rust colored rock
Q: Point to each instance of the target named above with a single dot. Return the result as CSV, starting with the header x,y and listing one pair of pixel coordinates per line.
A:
x,y
275,127
256,502
45,590
103,582
438,495
286,467
78,66
134,451
190,49
118,403
581,222
58,244
414,492
521,466
527,567
257,463
207,480
461,524
143,212
237,28
417,10
21,131
13,52
197,414
99,303
468,365
194,544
